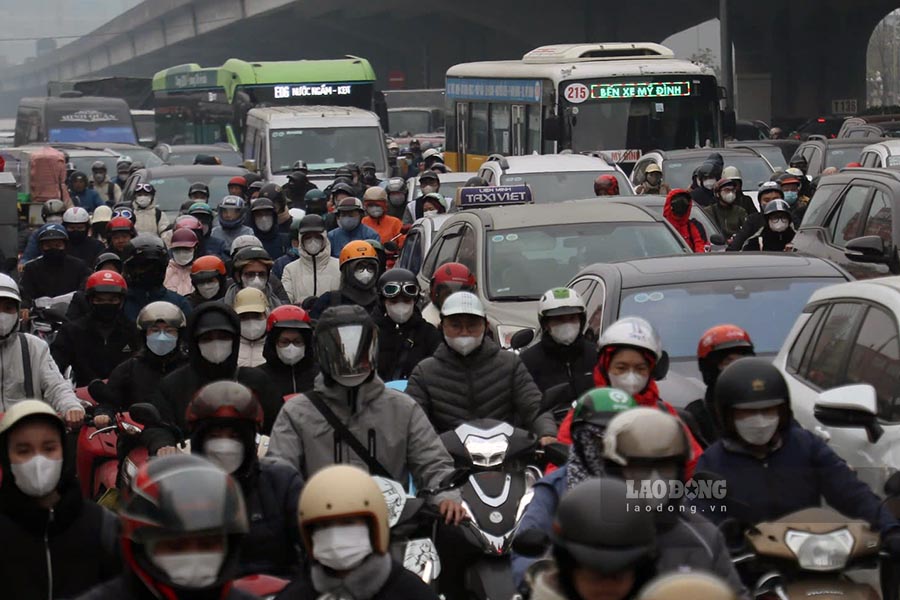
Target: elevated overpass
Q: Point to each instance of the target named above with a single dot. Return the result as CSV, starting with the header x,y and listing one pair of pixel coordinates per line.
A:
x,y
792,58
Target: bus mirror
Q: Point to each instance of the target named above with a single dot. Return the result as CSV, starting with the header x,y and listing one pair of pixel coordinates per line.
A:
x,y
250,165
729,122
551,129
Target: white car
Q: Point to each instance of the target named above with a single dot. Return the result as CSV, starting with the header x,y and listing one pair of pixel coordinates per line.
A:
x,y
842,364
884,153
552,177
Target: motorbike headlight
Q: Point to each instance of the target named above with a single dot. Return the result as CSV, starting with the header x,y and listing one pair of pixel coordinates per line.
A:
x,y
820,552
487,452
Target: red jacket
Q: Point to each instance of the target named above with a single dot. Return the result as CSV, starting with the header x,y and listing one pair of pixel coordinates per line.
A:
x,y
648,398
686,226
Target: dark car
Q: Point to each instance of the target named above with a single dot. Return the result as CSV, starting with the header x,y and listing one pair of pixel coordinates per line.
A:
x,y
656,204
821,154
824,126
777,152
850,220
678,166
172,184
185,154
131,151
886,125
683,296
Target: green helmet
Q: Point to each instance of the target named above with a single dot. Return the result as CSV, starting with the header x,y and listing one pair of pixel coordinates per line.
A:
x,y
600,405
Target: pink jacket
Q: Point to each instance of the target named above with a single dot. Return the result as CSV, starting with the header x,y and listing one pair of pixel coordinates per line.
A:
x,y
48,176
178,279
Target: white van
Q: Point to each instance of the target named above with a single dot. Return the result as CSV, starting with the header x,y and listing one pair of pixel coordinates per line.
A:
x,y
325,137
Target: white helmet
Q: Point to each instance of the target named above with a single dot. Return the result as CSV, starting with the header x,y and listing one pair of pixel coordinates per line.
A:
x,y
732,173
76,215
635,332
245,241
560,301
9,288
462,303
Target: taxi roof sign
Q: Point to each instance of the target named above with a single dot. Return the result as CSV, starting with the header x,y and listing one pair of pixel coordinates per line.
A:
x,y
503,195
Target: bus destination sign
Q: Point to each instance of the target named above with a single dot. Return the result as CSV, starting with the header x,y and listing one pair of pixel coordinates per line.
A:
x,y
666,89
308,91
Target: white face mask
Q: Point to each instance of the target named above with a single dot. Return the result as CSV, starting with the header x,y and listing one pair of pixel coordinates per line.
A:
x,y
313,246
351,381
264,223
364,276
225,452
342,547
464,345
207,289
376,212
190,569
253,329
8,322
291,354
757,429
428,189
143,201
779,225
400,312
728,197
38,476
54,219
183,256
709,183
430,213
565,333
255,281
631,382
215,351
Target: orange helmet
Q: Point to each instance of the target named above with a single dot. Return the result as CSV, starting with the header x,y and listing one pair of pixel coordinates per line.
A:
x,y
208,263
357,250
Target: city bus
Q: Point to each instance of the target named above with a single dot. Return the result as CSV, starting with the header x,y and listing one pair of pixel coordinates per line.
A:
x,y
623,99
196,105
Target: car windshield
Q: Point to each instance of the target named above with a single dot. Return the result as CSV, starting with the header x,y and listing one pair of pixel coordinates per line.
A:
x,y
766,308
678,172
525,263
410,121
171,192
229,158
774,155
841,157
83,163
448,190
327,148
548,188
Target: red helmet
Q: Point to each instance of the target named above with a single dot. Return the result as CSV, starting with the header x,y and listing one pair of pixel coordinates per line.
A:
x,y
722,337
224,400
606,185
183,238
189,222
105,282
238,180
208,263
451,277
288,317
120,224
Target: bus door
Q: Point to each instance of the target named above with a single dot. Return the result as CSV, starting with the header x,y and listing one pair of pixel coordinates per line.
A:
x,y
518,130
462,127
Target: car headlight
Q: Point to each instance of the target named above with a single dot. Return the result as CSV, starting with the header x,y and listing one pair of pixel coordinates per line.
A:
x,y
820,552
487,452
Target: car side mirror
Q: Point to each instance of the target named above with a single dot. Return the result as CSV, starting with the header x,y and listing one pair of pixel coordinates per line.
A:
x,y
850,406
717,239
662,367
146,414
551,129
521,339
869,249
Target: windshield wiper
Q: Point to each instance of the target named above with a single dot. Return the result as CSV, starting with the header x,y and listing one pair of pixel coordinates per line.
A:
x,y
515,298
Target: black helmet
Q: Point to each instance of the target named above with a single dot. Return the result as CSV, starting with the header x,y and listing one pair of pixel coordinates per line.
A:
x,y
311,224
145,260
396,282
597,526
476,181
262,204
78,175
108,257
346,342
799,161
708,169
300,165
750,383
273,192
353,167
53,231
343,172
180,496
256,186
52,207
777,206
198,188
344,188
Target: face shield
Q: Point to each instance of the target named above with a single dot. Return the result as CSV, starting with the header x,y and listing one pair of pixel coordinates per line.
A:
x,y
347,353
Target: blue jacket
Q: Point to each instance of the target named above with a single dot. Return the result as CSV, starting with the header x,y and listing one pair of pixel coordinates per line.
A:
x,y
290,256
32,250
138,298
539,515
89,199
340,238
797,475
210,246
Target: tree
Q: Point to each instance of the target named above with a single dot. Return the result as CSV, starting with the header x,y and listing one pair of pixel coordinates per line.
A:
x,y
705,56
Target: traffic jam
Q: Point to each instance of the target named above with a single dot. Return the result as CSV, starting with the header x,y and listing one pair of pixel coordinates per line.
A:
x,y
563,329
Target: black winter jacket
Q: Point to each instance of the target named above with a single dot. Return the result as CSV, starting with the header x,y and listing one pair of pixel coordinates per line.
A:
x,y
133,381
129,587
88,250
401,585
289,380
489,383
551,364
767,240
40,278
92,353
402,347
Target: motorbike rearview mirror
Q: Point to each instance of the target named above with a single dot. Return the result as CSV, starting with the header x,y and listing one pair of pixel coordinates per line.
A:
x,y
850,406
531,542
662,367
391,247
521,339
557,453
892,486
770,583
146,414
717,239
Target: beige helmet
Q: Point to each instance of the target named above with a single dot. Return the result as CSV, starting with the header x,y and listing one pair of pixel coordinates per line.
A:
x,y
644,433
27,408
250,300
339,492
375,194
158,311
678,586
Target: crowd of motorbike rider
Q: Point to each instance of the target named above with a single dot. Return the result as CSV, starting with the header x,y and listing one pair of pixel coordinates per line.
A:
x,y
238,325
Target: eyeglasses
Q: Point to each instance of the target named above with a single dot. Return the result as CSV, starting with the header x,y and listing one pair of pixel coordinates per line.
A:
x,y
392,290
144,187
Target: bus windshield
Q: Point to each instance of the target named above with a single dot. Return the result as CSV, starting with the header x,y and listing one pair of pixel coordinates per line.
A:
x,y
640,115
199,117
105,124
326,148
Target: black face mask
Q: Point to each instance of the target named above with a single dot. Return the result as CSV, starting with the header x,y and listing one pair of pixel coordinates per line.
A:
x,y
54,256
370,179
77,237
316,207
680,206
105,313
147,278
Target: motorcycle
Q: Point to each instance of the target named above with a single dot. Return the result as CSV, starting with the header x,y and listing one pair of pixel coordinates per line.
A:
x,y
497,462
413,524
49,315
265,587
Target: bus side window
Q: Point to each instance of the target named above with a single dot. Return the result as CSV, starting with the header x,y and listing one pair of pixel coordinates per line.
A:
x,y
500,133
250,142
478,129
534,129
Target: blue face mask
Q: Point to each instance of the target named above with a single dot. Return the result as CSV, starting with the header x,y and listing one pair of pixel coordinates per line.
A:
x,y
162,344
791,197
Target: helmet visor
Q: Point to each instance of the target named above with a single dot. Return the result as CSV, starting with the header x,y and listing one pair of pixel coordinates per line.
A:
x,y
347,350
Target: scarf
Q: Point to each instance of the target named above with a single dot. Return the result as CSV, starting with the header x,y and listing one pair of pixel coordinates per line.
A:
x,y
586,458
362,583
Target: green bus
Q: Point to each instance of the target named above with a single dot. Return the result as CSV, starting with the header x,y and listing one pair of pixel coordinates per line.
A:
x,y
196,105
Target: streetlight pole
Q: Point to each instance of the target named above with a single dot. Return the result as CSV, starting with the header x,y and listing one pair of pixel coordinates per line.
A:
x,y
726,52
